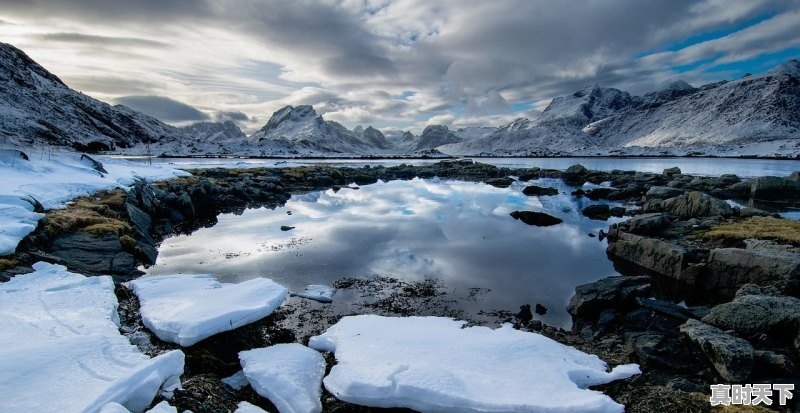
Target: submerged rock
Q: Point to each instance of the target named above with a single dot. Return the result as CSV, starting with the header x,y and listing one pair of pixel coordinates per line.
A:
x,y
540,219
533,190
732,357
597,211
499,182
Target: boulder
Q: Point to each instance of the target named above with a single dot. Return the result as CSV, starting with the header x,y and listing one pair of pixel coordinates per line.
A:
x,y
749,315
666,308
575,174
655,350
663,192
732,357
498,182
672,171
652,254
730,268
533,190
645,224
773,188
611,292
696,204
794,176
540,219
597,211
93,163
93,254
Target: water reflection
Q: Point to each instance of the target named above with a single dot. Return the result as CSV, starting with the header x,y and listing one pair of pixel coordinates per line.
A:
x,y
457,232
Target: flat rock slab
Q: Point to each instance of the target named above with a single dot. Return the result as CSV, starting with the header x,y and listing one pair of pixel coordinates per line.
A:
x,y
59,333
540,219
185,309
289,375
435,364
731,356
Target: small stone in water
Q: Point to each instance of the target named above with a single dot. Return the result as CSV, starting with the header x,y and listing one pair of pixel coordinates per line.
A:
x,y
286,228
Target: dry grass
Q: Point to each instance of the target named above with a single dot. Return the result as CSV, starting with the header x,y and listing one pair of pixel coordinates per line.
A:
x,y
6,263
90,214
781,230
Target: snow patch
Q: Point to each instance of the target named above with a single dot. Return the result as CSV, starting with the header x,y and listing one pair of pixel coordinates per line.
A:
x,y
59,332
316,292
436,364
289,375
185,309
245,407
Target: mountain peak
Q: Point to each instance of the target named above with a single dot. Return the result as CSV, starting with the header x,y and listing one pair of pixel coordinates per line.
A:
x,y
291,113
679,85
791,68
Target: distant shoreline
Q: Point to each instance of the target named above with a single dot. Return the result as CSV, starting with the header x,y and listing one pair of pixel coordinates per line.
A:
x,y
400,157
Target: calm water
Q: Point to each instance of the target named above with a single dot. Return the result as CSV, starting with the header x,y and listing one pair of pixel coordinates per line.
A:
x,y
459,233
695,166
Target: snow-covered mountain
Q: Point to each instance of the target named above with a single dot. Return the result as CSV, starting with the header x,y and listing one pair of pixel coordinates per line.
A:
x,y
37,108
373,137
434,136
214,131
753,109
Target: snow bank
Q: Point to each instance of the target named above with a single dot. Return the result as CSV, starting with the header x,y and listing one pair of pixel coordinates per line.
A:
x,y
435,364
61,350
289,375
316,292
237,381
185,309
55,179
163,407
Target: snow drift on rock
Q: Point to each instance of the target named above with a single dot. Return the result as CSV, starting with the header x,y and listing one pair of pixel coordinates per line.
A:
x,y
61,350
289,375
435,364
185,309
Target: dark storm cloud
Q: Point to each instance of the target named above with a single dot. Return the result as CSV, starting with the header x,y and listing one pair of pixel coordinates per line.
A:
x,y
163,108
100,40
231,116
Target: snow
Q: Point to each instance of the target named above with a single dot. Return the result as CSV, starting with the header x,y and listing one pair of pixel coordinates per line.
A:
x,y
55,179
245,407
237,381
289,375
436,364
163,407
185,309
59,332
316,292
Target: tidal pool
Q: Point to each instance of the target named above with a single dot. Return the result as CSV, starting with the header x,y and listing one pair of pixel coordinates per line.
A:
x,y
458,233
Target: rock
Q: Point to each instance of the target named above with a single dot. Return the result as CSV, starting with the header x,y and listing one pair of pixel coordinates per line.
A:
x,y
599,193
540,309
597,211
671,171
578,192
749,315
601,235
646,224
655,255
96,254
773,188
611,292
696,204
771,364
730,268
591,235
524,315
618,212
747,212
663,192
732,357
92,163
499,182
655,350
575,174
794,176
533,190
540,219
665,308
286,228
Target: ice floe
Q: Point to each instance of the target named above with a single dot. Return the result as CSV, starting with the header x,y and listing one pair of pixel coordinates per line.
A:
x,y
436,364
316,292
289,375
185,309
61,350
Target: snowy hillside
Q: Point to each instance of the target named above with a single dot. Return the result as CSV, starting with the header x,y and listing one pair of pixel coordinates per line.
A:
x,y
37,108
749,110
214,131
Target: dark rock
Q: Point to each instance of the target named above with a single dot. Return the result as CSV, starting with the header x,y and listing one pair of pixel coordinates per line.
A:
x,y
730,268
504,182
601,235
646,224
597,211
696,204
660,351
771,364
665,308
286,228
599,193
578,192
663,192
524,315
618,212
652,254
540,219
732,357
540,309
575,174
794,176
611,292
533,190
591,235
672,171
749,315
773,188
92,163
94,254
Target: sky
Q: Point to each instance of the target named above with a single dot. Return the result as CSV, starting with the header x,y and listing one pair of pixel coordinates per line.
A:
x,y
393,64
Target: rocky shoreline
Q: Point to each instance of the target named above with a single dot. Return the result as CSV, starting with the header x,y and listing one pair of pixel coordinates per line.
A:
x,y
739,320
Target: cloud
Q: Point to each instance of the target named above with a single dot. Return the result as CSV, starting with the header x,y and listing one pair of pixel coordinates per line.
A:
x,y
113,85
234,116
162,108
100,40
